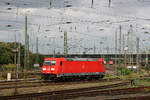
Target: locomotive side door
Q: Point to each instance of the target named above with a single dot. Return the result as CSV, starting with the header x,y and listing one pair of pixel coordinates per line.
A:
x,y
61,67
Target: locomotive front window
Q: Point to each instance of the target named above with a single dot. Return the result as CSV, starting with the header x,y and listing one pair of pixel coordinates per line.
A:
x,y
50,62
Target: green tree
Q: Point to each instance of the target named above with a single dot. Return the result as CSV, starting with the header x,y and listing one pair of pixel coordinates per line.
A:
x,y
5,54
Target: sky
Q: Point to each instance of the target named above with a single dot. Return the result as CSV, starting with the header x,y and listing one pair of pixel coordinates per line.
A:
x,y
89,29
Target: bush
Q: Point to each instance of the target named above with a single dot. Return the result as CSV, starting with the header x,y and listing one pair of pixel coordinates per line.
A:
x,y
146,90
9,67
125,71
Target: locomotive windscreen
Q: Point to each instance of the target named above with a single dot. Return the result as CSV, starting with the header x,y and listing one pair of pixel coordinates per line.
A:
x,y
50,62
82,59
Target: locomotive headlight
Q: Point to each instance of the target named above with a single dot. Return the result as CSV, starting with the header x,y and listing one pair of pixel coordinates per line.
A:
x,y
52,69
44,69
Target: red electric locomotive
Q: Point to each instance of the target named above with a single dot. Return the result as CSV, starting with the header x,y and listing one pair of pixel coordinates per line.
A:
x,y
62,68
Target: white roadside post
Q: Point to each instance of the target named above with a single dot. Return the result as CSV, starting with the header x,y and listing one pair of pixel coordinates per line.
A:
x,y
8,76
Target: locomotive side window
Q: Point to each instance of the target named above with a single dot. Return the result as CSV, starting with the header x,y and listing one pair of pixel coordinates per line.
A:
x,y
61,63
50,62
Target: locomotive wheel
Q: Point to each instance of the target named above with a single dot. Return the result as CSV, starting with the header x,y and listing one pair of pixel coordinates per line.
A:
x,y
101,76
45,77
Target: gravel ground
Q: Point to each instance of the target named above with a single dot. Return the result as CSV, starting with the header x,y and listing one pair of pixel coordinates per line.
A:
x,y
53,88
112,97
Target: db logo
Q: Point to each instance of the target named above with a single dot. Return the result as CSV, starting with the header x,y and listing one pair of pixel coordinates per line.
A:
x,y
83,67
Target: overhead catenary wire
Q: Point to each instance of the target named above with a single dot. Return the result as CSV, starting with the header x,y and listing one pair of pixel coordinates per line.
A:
x,y
66,22
130,18
22,2
63,19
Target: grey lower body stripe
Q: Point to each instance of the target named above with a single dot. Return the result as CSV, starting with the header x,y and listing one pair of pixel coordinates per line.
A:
x,y
80,74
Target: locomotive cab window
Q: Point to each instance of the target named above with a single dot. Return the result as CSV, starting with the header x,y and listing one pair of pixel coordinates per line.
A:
x,y
50,62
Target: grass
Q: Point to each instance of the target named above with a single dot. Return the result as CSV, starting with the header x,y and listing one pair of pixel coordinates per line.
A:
x,y
146,90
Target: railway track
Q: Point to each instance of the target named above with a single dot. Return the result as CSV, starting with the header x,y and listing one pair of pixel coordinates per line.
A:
x,y
21,75
32,79
39,83
147,97
23,83
66,94
87,92
74,93
5,82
